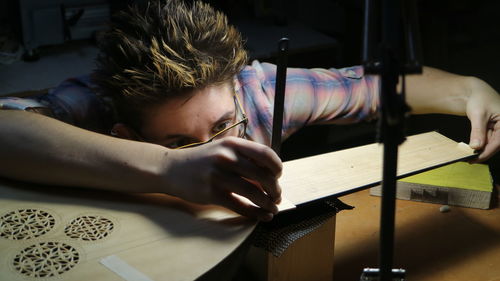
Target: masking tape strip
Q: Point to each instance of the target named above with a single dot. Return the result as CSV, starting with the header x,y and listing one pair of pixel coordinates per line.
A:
x,y
123,269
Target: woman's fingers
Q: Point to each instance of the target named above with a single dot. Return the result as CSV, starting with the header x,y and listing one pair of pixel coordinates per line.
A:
x,y
241,207
492,145
478,130
232,183
235,173
263,156
258,163
256,175
483,111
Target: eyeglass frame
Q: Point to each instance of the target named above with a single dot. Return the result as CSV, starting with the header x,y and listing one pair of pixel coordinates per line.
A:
x,y
243,121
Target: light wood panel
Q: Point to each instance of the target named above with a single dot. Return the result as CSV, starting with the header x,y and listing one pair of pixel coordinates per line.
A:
x,y
160,236
345,171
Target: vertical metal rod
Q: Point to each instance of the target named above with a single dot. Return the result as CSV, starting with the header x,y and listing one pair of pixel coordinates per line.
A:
x,y
370,26
388,208
389,64
279,95
413,63
390,131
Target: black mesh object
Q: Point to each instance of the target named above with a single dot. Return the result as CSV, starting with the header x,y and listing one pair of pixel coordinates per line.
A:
x,y
276,236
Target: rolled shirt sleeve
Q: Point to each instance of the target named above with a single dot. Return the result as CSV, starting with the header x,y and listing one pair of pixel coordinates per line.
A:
x,y
74,101
312,96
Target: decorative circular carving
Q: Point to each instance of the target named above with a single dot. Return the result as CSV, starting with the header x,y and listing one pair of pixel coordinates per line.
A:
x,y
89,228
25,224
46,259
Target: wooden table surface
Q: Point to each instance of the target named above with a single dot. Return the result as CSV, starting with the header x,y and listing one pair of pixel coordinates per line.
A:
x,y
463,244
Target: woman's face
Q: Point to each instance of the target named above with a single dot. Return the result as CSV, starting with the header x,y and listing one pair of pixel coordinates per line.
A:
x,y
191,119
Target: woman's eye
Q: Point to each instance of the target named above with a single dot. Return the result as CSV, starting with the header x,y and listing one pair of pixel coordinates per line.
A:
x,y
173,145
177,143
222,126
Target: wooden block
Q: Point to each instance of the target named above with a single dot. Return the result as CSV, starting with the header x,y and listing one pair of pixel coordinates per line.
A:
x,y
308,258
459,184
439,195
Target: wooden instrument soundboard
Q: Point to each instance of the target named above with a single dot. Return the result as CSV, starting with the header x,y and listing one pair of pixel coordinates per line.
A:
x,y
49,233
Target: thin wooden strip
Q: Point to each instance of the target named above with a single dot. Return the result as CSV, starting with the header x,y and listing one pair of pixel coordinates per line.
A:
x,y
345,171
123,269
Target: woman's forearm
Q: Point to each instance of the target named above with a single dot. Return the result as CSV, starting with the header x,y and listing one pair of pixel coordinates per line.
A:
x,y
40,149
437,91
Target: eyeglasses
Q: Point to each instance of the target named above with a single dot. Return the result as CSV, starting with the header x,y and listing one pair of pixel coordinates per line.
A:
x,y
236,129
240,127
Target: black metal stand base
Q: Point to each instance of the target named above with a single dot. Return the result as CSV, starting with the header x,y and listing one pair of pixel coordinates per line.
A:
x,y
373,274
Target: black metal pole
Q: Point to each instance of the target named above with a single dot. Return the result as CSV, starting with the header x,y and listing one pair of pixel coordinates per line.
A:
x,y
388,207
391,134
393,58
369,30
279,95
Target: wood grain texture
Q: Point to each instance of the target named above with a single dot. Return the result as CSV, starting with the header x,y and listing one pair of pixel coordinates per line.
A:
x,y
346,171
160,236
460,245
440,195
309,258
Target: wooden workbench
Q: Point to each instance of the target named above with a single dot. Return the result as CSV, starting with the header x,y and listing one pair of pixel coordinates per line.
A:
x,y
461,245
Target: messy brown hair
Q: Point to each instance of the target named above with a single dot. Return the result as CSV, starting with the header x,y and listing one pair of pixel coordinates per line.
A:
x,y
164,50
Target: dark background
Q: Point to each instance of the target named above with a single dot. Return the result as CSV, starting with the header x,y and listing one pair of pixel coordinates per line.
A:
x,y
459,36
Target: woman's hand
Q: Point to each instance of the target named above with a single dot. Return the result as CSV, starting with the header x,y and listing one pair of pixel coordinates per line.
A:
x,y
483,111
214,173
437,91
